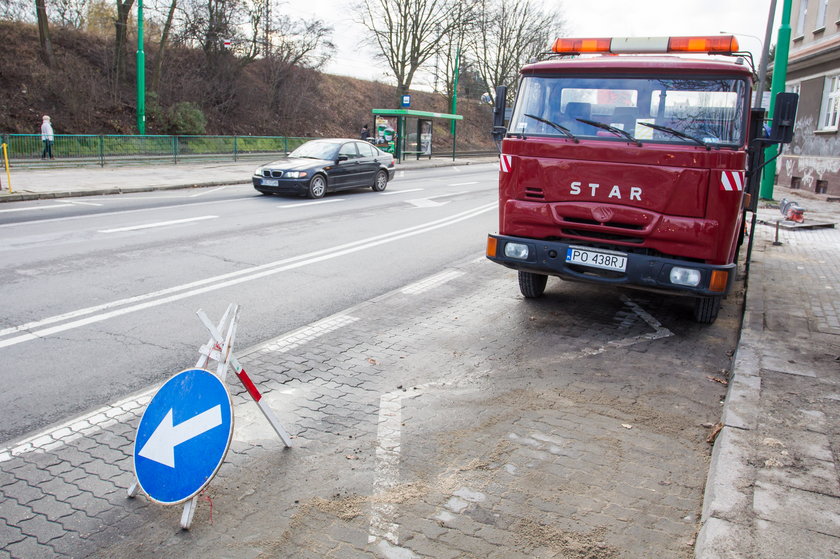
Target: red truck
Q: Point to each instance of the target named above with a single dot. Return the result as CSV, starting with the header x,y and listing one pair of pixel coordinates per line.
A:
x,y
630,167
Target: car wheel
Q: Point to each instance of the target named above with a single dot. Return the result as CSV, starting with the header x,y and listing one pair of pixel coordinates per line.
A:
x,y
381,181
706,309
532,285
317,187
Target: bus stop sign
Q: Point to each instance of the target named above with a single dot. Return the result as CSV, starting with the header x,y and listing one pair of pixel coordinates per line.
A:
x,y
183,436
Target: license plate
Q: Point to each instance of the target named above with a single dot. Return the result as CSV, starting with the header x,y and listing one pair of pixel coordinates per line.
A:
x,y
270,182
615,261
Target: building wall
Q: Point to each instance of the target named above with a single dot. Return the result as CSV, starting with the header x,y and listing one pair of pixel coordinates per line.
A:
x,y
812,161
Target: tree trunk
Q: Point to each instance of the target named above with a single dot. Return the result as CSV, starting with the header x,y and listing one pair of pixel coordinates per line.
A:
x,y
121,24
44,32
163,38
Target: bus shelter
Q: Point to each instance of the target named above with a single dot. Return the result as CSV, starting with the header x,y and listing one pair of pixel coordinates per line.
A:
x,y
406,132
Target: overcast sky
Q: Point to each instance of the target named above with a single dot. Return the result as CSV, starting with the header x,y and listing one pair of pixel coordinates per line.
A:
x,y
593,18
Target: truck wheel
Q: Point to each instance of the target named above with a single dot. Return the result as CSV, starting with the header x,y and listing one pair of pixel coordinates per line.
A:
x,y
532,285
706,309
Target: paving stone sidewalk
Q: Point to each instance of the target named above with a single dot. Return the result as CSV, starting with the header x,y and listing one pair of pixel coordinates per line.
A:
x,y
774,485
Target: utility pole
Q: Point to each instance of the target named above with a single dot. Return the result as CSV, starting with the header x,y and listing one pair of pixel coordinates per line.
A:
x,y
777,86
141,73
765,55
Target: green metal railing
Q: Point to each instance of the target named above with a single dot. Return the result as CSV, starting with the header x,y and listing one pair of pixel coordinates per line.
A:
x,y
82,149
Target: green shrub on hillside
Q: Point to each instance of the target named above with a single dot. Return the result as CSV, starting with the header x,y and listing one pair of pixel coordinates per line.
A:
x,y
186,117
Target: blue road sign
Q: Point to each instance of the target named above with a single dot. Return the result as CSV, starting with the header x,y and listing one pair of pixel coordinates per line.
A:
x,y
406,101
183,436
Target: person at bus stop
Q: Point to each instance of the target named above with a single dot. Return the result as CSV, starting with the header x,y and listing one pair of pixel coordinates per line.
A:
x,y
364,135
47,137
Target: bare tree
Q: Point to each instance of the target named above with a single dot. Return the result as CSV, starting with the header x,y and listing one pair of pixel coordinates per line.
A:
x,y
44,32
406,33
295,44
508,34
164,37
69,13
121,35
15,10
452,53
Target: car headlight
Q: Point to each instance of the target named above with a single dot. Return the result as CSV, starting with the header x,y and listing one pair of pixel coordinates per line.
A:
x,y
295,174
259,171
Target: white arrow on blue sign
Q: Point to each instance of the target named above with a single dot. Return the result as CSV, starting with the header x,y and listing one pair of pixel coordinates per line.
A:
x,y
183,436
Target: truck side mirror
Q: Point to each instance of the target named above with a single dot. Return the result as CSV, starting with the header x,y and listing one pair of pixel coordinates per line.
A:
x,y
784,117
499,113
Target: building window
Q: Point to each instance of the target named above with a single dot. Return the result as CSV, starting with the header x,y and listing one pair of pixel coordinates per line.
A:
x,y
800,23
822,5
822,187
795,183
831,103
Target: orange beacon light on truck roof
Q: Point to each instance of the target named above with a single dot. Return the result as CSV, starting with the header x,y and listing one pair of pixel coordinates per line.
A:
x,y
712,44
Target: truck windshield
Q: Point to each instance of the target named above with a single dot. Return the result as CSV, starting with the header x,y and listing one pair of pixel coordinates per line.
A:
x,y
690,110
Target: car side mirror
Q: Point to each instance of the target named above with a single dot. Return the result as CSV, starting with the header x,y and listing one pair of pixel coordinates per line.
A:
x,y
499,113
342,158
784,118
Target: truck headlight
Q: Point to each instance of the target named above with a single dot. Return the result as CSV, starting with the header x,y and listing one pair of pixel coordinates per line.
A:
x,y
685,276
516,250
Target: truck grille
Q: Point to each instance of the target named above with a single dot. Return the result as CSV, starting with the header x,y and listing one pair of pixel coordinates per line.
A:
x,y
534,193
625,233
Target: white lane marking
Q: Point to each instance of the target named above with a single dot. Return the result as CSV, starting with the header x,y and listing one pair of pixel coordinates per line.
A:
x,y
210,191
430,201
79,427
400,191
77,203
387,469
156,298
124,410
431,282
125,212
308,333
34,208
463,183
158,224
424,203
301,204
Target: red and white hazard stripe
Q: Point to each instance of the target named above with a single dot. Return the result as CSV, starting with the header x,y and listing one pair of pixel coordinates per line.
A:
x,y
732,181
505,163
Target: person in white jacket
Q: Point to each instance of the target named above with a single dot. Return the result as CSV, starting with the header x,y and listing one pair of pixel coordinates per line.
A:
x,y
47,137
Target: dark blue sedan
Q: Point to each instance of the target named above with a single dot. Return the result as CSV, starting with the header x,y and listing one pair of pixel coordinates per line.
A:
x,y
327,165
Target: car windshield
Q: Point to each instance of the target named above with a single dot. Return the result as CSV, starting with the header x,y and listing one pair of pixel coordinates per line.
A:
x,y
316,150
706,111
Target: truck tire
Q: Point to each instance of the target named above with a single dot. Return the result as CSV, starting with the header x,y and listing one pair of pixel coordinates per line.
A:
x,y
706,309
532,285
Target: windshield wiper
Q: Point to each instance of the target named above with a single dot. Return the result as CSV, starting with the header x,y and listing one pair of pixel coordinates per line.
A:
x,y
676,133
563,129
613,129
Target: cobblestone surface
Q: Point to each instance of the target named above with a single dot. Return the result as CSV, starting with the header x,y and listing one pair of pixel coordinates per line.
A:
x,y
452,419
779,495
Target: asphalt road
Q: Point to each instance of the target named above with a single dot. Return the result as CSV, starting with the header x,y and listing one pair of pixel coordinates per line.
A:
x,y
99,294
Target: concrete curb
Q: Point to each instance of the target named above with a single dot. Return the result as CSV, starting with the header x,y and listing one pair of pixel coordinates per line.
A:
x,y
727,499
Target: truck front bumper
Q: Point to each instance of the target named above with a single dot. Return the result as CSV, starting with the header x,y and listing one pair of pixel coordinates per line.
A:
x,y
641,271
